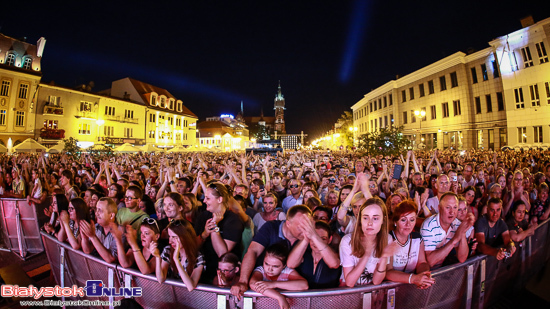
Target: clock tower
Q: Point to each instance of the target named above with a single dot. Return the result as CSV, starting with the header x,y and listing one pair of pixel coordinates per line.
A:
x,y
280,111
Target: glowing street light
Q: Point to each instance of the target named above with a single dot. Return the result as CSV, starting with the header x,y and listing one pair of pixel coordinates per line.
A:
x,y
420,115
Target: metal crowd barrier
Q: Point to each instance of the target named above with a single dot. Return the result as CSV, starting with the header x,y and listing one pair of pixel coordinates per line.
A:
x,y
20,223
478,283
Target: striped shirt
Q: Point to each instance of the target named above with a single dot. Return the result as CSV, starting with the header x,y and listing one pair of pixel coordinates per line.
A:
x,y
434,235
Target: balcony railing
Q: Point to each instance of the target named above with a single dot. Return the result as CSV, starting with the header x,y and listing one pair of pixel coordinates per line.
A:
x,y
131,120
53,110
52,133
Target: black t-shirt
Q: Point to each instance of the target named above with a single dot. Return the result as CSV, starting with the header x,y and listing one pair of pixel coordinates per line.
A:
x,y
231,228
270,234
493,235
324,276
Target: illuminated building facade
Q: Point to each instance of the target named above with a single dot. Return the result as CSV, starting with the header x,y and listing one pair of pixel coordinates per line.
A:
x,y
20,74
279,111
168,122
91,118
479,100
223,133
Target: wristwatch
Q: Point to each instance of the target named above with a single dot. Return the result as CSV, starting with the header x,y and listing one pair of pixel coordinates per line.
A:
x,y
171,182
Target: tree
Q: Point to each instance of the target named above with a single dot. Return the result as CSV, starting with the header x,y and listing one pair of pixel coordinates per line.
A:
x,y
344,123
71,147
387,141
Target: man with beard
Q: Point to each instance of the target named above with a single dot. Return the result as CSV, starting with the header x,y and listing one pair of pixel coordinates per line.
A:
x,y
492,233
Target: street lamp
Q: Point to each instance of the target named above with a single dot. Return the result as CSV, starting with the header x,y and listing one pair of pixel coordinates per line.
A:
x,y
420,115
354,131
99,123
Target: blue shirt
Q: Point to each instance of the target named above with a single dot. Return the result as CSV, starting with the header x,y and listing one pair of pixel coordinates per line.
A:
x,y
290,201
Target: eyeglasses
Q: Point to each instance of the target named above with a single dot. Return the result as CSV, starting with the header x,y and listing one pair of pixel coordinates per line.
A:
x,y
226,271
150,221
130,198
113,189
293,186
71,208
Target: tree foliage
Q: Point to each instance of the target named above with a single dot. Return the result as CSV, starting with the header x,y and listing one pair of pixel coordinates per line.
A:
x,y
345,122
71,148
386,141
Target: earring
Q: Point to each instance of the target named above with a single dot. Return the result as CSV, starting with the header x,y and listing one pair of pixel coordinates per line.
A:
x,y
395,224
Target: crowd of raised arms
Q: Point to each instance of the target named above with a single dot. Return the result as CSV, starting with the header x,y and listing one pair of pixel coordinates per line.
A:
x,y
302,220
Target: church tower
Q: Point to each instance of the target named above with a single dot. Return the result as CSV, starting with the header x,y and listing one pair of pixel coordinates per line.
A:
x,y
280,112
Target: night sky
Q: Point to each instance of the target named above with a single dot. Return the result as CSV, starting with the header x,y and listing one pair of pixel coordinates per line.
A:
x,y
213,54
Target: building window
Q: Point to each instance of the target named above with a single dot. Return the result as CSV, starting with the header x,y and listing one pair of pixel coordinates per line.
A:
x,y
23,91
500,101
171,102
484,72
522,135
171,120
371,125
5,90
109,110
538,134
534,91
370,105
433,112
391,120
413,117
385,101
379,103
108,131
375,106
421,90
519,98
445,108
541,51
27,63
474,75
84,129
375,124
151,134
2,117
411,93
179,105
152,118
431,87
404,118
403,96
489,103
456,108
19,119
454,80
50,124
547,86
128,132
85,106
380,121
154,100
478,105
178,122
496,74
129,114
391,100
443,83
527,60
10,59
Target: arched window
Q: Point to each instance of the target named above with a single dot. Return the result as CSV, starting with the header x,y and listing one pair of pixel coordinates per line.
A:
x,y
27,63
10,59
154,100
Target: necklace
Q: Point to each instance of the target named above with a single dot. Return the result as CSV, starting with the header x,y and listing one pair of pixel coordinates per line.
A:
x,y
402,245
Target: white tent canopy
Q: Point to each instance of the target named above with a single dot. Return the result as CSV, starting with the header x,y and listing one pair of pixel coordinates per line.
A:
x,y
30,145
127,148
150,148
57,148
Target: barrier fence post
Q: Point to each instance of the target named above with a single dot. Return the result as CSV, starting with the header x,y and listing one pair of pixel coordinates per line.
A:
x,y
62,269
367,300
111,285
222,301
482,284
470,286
127,283
248,303
22,253
391,299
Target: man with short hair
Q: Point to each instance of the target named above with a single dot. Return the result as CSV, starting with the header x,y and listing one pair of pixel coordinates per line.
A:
x,y
492,232
443,186
468,173
444,235
272,232
99,238
295,196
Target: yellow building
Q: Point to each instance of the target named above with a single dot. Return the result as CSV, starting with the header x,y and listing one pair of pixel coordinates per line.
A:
x,y
224,133
91,118
20,73
474,100
168,122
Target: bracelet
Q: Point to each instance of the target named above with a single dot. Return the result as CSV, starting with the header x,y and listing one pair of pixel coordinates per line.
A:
x,y
410,278
136,250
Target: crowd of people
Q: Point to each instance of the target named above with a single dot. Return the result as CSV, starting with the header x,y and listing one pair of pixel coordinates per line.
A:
x,y
301,220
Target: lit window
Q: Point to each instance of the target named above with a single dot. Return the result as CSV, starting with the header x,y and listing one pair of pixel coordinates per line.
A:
x,y
534,91
541,51
27,63
518,92
484,72
527,60
547,86
538,134
10,59
23,91
19,119
522,135
84,129
2,117
5,89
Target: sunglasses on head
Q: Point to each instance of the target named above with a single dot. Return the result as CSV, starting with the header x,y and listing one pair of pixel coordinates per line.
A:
x,y
150,221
